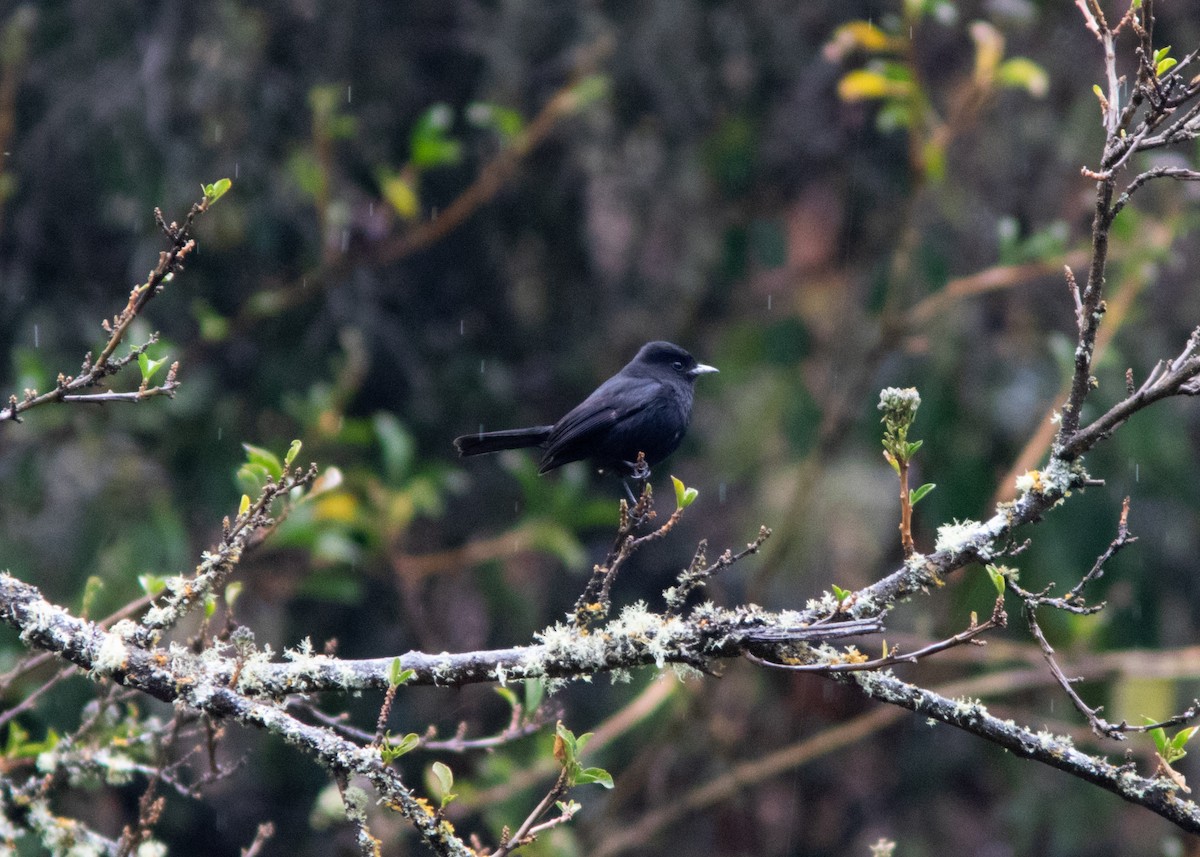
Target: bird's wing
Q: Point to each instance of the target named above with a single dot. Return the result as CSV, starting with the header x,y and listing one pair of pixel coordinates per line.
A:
x,y
613,401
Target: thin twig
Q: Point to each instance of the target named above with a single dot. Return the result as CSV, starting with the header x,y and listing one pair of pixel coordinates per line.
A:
x,y
998,619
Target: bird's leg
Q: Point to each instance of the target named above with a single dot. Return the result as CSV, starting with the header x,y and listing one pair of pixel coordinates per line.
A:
x,y
640,472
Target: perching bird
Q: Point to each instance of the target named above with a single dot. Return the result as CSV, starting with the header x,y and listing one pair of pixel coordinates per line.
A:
x,y
644,408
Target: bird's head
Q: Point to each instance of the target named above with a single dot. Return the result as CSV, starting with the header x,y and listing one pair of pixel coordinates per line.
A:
x,y
658,357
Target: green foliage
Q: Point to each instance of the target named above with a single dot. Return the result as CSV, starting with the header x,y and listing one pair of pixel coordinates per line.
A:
x,y
148,367
892,79
1000,575
1171,749
567,749
1163,61
216,190
151,584
1024,73
390,751
535,692
18,745
233,591
1049,242
398,676
684,496
91,591
919,493
440,780
430,144
507,123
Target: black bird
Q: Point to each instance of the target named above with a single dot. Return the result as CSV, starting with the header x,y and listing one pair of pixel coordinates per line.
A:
x,y
644,408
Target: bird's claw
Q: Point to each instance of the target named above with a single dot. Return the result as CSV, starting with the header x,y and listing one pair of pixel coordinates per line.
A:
x,y
639,470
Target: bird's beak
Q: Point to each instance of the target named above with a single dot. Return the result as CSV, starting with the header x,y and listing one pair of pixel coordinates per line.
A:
x,y
701,369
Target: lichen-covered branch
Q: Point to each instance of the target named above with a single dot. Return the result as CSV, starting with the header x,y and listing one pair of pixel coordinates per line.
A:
x,y
1159,795
177,677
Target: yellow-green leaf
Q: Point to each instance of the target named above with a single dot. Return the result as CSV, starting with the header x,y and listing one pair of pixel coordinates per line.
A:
x,y
864,85
1024,73
401,196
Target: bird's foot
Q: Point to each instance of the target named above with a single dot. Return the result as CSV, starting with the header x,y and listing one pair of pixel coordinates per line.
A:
x,y
639,470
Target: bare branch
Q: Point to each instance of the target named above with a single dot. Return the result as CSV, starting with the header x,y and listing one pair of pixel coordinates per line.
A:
x,y
94,372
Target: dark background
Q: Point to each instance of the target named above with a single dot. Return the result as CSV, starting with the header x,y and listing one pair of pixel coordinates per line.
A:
x,y
712,189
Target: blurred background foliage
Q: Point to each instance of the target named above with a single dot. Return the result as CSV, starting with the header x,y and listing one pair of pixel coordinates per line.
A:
x,y
461,214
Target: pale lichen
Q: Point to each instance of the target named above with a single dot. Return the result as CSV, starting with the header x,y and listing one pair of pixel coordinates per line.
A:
x,y
112,657
957,536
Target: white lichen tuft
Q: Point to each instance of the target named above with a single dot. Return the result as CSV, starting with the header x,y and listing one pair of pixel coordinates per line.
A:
x,y
1030,480
957,536
112,657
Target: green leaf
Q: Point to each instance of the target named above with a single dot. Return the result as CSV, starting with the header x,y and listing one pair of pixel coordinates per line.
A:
x,y
149,367
396,445
862,36
535,692
400,193
18,745
1161,54
265,459
398,676
864,85
244,506
252,477
507,695
840,594
151,584
210,605
216,190
1160,737
594,775
16,737
996,574
1161,68
566,746
894,116
444,780
391,752
505,121
1024,73
91,590
1182,737
919,494
213,326
684,496
913,448
556,540
429,144
232,592
292,452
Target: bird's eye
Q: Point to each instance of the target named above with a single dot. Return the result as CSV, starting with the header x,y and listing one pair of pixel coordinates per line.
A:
x,y
677,366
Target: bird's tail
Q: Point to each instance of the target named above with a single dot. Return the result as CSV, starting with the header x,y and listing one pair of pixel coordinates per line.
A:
x,y
494,441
